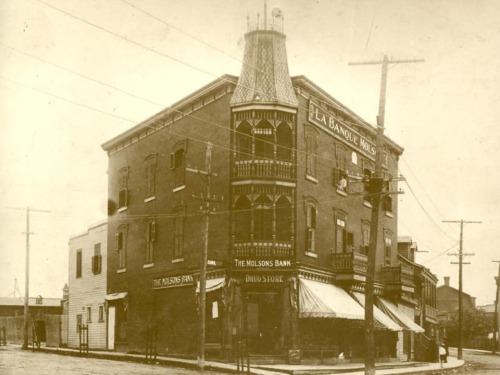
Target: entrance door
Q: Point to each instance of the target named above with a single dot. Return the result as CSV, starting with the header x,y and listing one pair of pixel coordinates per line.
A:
x,y
264,322
111,328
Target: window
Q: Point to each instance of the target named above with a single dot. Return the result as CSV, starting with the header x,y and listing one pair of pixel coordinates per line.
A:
x,y
150,175
311,227
179,233
178,162
344,240
97,259
89,314
284,140
244,141
367,176
242,219
387,203
263,218
78,323
150,240
123,188
340,171
283,219
121,246
387,248
79,263
264,140
365,233
311,152
101,313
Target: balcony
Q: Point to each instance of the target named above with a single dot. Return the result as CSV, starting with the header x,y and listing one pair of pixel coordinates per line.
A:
x,y
349,266
263,168
398,279
264,250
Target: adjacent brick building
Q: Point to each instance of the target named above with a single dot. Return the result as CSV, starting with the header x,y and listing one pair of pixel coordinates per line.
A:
x,y
288,243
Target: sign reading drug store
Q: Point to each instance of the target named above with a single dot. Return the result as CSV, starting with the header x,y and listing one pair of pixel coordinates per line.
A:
x,y
173,281
332,125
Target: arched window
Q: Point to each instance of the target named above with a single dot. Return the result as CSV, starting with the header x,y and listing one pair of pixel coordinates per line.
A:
x,y
178,162
283,219
121,246
264,140
243,141
284,141
150,175
242,217
263,218
123,187
311,151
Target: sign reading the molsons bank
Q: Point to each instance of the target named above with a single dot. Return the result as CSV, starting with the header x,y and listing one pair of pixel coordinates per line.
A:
x,y
329,123
173,281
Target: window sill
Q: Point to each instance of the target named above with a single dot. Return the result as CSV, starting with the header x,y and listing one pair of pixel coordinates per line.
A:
x,y
121,209
312,179
178,260
121,270
149,199
310,254
149,265
341,192
389,214
367,204
178,188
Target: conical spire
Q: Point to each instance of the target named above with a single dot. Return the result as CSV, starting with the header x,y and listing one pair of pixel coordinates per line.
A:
x,y
264,75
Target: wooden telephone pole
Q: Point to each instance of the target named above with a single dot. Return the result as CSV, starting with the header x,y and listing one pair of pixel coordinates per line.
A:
x,y
460,262
376,190
497,301
207,198
27,272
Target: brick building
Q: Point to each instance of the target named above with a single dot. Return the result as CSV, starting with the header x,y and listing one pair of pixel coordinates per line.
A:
x,y
287,245
87,286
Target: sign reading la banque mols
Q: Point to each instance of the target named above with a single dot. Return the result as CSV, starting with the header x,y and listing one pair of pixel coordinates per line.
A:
x,y
332,125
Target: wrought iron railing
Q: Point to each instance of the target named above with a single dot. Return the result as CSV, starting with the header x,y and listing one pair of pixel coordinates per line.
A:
x,y
397,275
263,249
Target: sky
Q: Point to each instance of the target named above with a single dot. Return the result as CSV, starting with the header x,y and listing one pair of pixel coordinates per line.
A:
x,y
74,74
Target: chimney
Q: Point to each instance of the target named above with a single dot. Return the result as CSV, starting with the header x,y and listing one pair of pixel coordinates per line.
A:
x,y
264,77
447,280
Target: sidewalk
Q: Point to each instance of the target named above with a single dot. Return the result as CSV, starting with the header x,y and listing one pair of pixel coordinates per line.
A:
x,y
344,368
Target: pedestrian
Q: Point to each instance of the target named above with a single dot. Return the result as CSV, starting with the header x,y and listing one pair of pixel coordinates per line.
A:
x,y
442,354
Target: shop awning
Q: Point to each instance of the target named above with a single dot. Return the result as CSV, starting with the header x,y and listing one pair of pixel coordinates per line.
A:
x,y
115,296
379,316
399,316
212,284
320,300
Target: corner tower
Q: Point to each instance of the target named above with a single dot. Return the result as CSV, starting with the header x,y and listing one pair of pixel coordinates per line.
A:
x,y
263,187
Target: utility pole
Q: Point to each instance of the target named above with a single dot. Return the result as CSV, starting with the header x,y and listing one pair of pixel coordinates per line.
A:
x,y
460,262
27,272
207,199
497,300
376,187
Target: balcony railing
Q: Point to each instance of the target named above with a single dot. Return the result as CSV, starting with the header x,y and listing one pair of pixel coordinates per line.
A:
x,y
263,168
349,263
430,313
399,275
263,249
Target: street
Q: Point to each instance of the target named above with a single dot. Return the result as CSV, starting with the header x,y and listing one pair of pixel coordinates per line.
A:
x,y
477,363
14,361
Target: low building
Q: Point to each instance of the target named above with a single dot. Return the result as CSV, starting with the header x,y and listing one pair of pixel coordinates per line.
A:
x,y
43,312
87,287
447,300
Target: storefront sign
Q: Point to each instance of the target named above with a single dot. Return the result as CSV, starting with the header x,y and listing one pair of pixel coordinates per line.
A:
x,y
264,279
262,263
173,281
340,130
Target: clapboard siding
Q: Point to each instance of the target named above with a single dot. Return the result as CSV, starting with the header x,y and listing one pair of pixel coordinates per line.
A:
x,y
89,290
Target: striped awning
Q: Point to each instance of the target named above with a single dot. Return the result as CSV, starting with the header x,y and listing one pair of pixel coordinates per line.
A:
x,y
320,300
379,316
399,316
212,284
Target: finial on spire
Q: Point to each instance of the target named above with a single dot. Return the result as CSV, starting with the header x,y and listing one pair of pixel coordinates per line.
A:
x,y
265,15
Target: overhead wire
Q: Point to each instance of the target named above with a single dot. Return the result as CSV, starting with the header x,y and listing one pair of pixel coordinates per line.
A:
x,y
152,50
